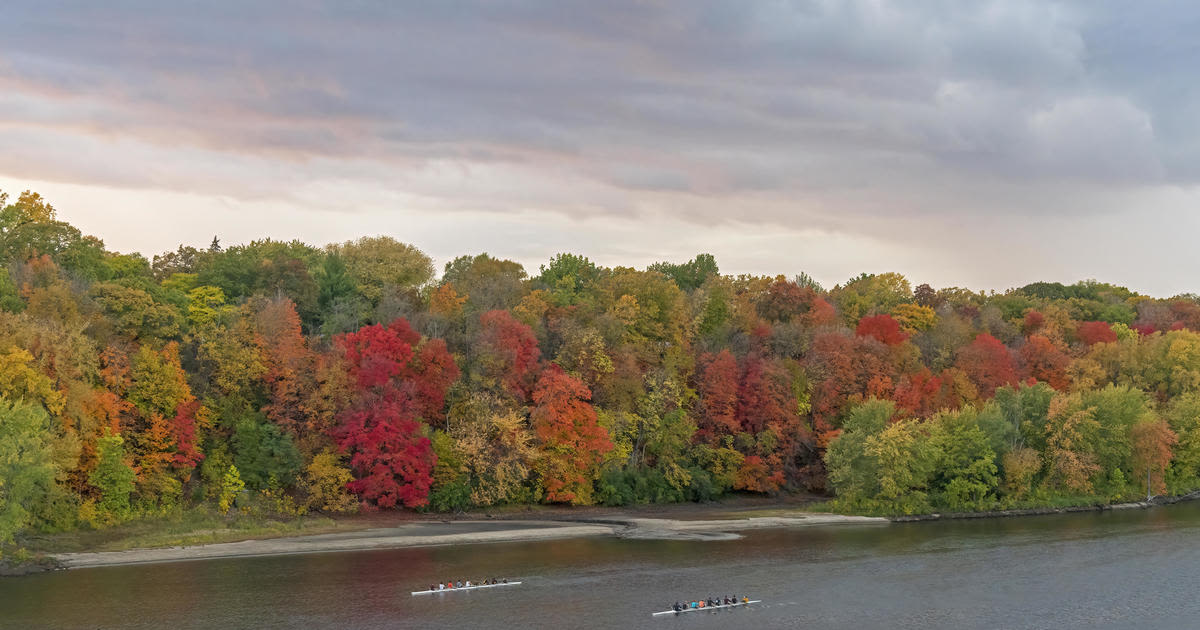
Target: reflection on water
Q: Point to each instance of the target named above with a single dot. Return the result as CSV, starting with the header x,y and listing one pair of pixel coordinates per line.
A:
x,y
1134,569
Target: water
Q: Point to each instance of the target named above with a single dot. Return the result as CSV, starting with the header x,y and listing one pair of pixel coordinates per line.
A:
x,y
1135,569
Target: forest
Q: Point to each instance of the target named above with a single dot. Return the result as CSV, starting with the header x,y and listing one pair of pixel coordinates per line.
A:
x,y
290,378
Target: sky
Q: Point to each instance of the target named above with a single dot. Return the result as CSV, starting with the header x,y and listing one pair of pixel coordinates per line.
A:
x,y
976,144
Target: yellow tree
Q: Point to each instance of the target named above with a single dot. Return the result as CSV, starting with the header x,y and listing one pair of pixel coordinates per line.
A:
x,y
1071,430
1153,441
914,318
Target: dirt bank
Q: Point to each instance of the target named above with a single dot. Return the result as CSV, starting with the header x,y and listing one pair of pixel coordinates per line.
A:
x,y
462,532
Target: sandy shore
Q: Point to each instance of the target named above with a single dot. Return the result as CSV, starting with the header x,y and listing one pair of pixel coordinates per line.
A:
x,y
462,532
662,528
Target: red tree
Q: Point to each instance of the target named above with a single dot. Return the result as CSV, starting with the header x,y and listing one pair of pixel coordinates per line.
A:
x,y
843,369
394,388
988,363
183,430
766,400
1144,330
784,300
375,355
573,442
1095,332
821,314
1045,362
1033,322
437,371
1186,314
507,351
718,396
881,327
922,394
392,462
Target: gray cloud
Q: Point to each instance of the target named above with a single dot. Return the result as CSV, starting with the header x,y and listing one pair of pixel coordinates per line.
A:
x,y
856,116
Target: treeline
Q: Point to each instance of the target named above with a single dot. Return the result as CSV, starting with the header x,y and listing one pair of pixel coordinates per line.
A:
x,y
284,377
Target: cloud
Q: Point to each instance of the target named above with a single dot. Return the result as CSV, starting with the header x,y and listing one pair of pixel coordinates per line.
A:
x,y
909,123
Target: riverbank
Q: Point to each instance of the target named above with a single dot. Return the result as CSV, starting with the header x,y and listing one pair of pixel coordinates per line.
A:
x,y
463,532
717,521
1041,511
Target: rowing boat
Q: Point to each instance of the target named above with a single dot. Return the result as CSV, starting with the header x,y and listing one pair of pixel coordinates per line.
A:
x,y
687,610
465,588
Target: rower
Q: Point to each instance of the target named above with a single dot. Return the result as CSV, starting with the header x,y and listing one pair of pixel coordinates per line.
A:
x,y
745,600
677,607
468,582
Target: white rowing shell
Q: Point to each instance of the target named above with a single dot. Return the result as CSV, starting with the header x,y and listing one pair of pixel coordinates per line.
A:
x,y
687,610
465,588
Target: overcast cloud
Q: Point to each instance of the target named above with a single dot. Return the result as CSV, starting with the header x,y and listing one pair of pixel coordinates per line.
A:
x,y
986,144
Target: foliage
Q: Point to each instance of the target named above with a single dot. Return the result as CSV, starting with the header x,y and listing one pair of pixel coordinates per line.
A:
x,y
231,487
376,263
325,480
27,468
112,477
333,378
572,442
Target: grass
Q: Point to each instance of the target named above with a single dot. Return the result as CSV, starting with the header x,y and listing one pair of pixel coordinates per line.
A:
x,y
782,512
187,527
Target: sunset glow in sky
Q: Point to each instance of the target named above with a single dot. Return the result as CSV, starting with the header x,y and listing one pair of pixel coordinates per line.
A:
x,y
979,144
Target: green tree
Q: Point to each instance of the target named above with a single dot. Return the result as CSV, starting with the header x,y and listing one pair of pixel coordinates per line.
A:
x,y
568,278
113,477
906,463
27,468
376,263
264,455
965,476
690,275
871,294
854,473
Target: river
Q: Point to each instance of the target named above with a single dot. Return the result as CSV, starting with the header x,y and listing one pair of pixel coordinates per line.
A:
x,y
1129,569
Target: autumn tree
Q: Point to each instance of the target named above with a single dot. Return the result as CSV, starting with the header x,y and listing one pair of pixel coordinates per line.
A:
x,y
988,363
287,360
870,294
1071,434
1045,362
1153,441
382,431
881,327
572,442
1095,332
487,283
718,388
506,354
